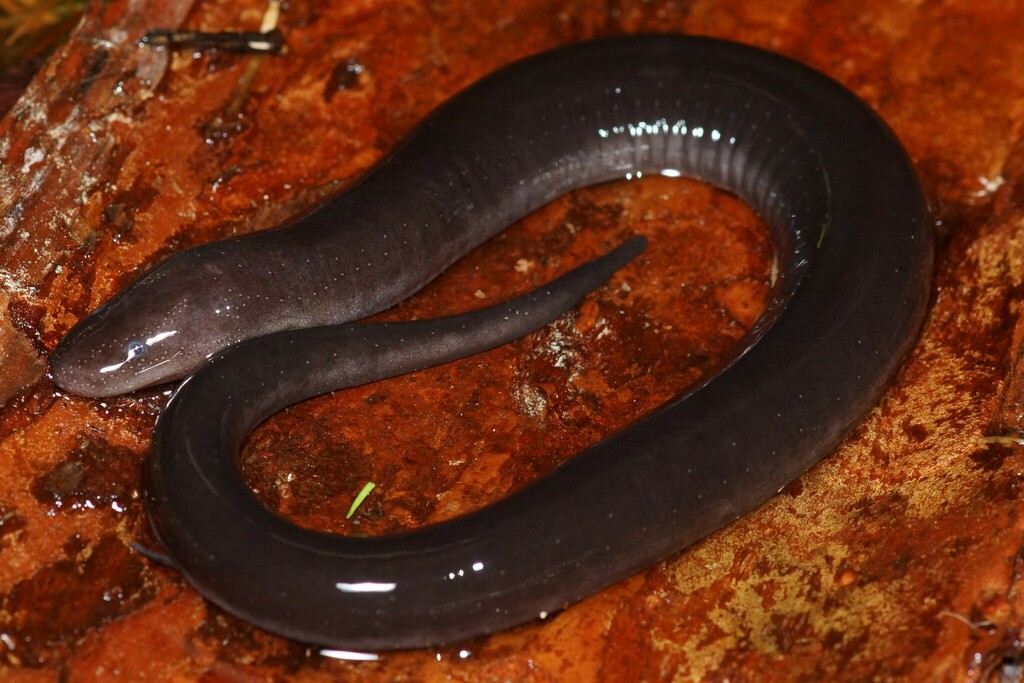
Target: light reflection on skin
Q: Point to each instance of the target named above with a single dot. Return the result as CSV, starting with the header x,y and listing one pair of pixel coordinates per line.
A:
x,y
350,655
477,566
663,127
136,349
156,365
365,587
156,338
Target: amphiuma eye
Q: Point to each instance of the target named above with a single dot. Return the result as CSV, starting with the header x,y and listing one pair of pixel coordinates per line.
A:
x,y
135,349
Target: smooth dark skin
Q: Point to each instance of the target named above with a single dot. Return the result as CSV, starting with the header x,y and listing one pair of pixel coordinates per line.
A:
x,y
855,256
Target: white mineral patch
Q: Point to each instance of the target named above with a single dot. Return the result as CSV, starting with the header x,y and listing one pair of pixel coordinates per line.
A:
x,y
559,347
533,401
33,155
12,285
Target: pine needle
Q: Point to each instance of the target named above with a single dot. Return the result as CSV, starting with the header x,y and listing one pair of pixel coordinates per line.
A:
x,y
369,486
29,28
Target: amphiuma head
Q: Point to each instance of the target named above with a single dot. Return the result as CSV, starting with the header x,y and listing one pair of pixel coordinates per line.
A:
x,y
162,327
